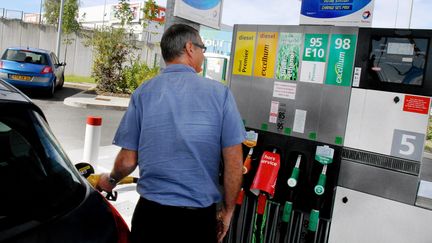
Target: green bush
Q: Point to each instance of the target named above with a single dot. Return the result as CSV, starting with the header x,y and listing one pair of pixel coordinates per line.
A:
x,y
138,73
429,130
111,50
428,144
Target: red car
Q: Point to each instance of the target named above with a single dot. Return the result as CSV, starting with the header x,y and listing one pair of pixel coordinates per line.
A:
x,y
43,197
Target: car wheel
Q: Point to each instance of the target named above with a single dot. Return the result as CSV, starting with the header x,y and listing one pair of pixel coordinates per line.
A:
x,y
50,90
60,85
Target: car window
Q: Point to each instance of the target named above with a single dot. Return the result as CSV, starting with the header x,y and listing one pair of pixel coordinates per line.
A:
x,y
37,181
25,56
54,58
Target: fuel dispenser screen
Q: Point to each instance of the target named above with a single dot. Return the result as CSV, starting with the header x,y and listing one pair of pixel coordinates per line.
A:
x,y
398,60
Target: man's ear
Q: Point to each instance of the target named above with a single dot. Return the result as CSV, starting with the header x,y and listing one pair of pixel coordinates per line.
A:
x,y
189,48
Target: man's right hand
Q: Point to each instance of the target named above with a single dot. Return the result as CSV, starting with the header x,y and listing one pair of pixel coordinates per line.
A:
x,y
104,183
223,223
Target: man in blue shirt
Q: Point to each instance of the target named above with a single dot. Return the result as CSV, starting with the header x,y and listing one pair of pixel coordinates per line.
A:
x,y
175,129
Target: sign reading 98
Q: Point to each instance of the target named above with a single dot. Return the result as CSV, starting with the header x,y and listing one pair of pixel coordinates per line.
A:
x,y
343,43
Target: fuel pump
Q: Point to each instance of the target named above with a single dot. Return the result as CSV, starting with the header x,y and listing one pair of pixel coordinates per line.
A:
x,y
237,227
354,103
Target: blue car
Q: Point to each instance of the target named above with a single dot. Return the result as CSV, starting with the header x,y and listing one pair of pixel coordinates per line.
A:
x,y
31,68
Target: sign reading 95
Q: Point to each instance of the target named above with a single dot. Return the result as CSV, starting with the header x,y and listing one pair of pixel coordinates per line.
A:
x,y
408,145
315,47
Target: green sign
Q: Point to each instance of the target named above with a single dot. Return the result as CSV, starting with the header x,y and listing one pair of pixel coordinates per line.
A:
x,y
341,58
288,57
324,154
323,160
315,47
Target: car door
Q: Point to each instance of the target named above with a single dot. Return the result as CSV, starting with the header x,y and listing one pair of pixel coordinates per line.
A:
x,y
57,67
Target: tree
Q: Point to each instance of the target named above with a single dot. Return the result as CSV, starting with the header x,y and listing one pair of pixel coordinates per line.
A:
x,y
150,11
111,49
70,14
124,13
70,17
52,10
70,22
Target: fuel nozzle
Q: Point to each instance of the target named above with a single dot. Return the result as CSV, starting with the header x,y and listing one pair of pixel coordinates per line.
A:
x,y
292,181
247,162
319,188
324,155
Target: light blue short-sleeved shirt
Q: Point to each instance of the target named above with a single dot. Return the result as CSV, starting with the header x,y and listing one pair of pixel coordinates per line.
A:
x,y
179,122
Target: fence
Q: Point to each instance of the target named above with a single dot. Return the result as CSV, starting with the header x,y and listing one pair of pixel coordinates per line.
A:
x,y
21,15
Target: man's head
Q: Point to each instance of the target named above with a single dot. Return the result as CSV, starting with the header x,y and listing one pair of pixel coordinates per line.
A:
x,y
182,44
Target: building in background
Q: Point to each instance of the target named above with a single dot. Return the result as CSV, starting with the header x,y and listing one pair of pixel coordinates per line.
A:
x,y
104,15
217,41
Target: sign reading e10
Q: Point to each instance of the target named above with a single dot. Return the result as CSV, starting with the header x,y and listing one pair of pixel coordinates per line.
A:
x,y
314,50
315,47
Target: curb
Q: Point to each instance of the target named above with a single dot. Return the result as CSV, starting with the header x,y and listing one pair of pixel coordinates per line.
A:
x,y
76,103
83,100
80,85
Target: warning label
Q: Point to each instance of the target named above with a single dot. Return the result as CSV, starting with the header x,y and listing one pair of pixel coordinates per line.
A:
x,y
417,104
284,90
274,111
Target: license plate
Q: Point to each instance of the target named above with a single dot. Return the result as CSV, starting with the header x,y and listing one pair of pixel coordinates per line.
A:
x,y
21,77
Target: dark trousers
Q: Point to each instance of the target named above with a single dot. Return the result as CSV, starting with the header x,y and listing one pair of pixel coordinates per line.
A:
x,y
156,223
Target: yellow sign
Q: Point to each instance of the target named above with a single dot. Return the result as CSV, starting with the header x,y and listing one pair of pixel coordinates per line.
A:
x,y
266,54
244,52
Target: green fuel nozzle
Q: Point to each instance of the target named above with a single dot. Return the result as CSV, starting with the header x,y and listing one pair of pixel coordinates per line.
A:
x,y
319,188
292,181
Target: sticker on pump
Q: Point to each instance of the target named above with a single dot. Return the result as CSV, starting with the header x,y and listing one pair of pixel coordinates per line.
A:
x,y
251,139
266,175
274,108
416,104
324,154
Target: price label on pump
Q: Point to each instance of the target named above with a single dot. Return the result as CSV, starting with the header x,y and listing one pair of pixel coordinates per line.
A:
x,y
251,139
341,59
314,58
324,154
315,48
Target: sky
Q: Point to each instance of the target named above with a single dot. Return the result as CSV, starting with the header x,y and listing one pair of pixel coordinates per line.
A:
x,y
387,13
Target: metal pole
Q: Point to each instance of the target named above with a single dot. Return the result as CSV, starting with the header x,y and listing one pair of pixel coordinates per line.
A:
x,y
103,18
59,30
410,15
40,12
397,12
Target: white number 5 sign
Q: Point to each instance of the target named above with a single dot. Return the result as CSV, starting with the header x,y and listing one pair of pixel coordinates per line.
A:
x,y
408,145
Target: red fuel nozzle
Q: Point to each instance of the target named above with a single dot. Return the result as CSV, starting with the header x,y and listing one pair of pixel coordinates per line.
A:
x,y
266,175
